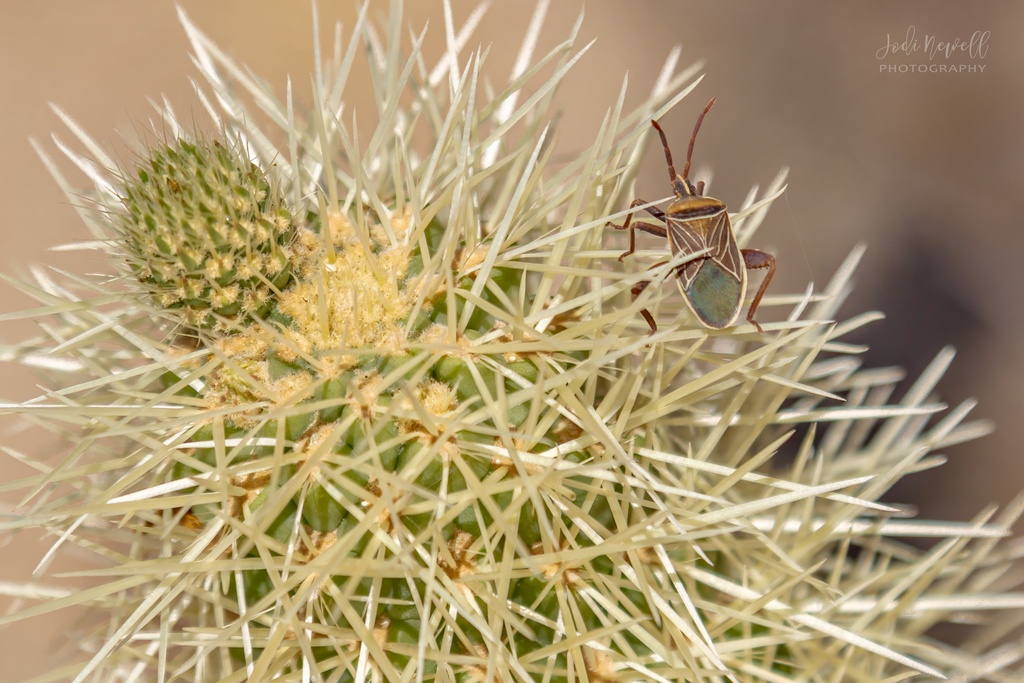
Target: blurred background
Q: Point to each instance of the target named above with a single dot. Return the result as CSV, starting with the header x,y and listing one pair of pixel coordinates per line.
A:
x,y
926,168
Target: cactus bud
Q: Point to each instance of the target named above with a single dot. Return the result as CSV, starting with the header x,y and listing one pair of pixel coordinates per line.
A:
x,y
205,231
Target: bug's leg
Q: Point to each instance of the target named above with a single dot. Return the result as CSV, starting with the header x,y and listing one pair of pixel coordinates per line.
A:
x,y
646,227
637,289
653,210
700,188
635,292
752,258
637,225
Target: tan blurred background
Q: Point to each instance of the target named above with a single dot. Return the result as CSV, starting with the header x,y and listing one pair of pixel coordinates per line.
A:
x,y
927,168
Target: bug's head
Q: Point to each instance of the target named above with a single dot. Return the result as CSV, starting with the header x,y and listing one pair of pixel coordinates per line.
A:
x,y
681,184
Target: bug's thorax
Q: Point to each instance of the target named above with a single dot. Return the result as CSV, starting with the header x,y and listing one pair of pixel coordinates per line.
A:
x,y
694,207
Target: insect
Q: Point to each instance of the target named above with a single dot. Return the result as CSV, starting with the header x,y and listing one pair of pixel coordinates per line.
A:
x,y
713,285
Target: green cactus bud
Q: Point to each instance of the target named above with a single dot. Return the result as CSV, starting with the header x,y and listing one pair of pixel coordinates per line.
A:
x,y
205,231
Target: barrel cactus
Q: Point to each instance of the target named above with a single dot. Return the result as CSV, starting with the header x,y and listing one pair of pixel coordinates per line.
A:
x,y
373,411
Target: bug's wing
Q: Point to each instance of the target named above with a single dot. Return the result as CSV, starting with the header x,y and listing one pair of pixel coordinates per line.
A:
x,y
685,240
723,245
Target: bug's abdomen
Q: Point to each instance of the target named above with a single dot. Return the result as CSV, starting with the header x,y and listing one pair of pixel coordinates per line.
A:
x,y
715,295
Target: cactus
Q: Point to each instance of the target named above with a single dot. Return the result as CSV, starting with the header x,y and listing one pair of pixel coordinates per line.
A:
x,y
433,442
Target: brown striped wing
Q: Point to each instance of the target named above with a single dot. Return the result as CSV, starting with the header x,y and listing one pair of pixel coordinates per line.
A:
x,y
725,249
697,234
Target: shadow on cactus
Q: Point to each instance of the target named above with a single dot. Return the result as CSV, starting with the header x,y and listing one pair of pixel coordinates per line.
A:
x,y
373,411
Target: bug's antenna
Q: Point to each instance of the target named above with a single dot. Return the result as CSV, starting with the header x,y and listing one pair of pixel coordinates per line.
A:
x,y
686,169
668,152
680,187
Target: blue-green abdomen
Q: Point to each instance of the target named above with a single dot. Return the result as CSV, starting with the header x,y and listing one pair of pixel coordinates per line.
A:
x,y
715,295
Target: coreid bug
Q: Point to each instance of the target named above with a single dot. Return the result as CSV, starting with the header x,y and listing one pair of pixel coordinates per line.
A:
x,y
712,285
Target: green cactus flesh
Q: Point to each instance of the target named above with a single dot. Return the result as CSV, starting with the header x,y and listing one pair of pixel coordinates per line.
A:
x,y
206,232
382,419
